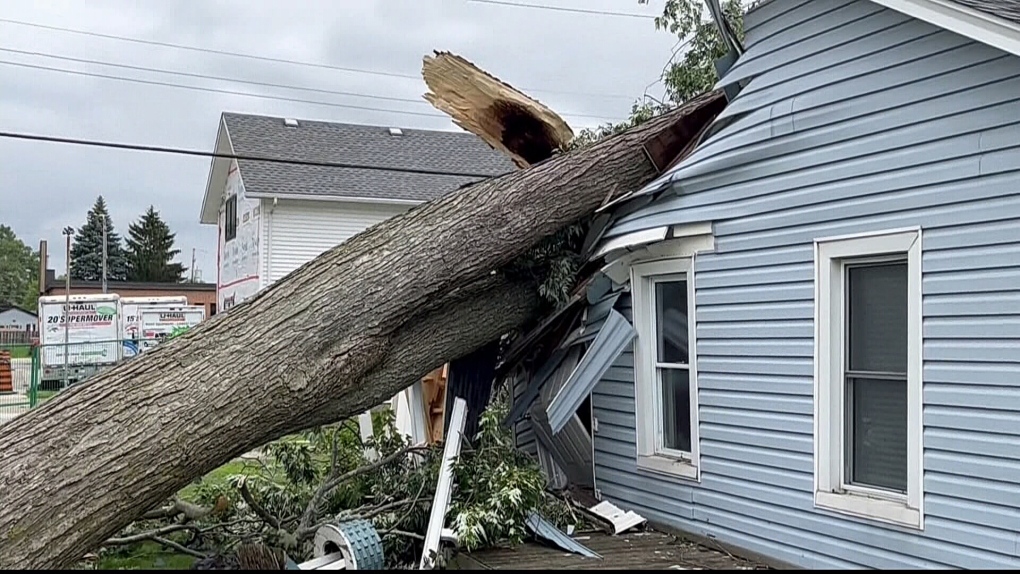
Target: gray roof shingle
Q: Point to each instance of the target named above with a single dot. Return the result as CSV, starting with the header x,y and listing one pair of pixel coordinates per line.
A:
x,y
1005,9
359,145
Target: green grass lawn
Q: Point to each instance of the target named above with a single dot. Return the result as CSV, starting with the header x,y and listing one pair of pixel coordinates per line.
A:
x,y
19,351
220,475
145,556
150,555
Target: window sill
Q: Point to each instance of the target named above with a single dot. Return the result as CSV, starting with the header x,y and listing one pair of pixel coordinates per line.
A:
x,y
668,466
888,511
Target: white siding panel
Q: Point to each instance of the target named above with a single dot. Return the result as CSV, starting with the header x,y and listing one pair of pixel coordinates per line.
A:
x,y
299,231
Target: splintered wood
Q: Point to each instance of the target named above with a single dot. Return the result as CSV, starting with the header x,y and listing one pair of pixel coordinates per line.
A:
x,y
433,390
507,119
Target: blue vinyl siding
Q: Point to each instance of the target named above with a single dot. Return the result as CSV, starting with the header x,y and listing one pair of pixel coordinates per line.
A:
x,y
855,119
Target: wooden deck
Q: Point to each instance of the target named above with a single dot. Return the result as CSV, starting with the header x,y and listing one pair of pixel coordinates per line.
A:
x,y
647,550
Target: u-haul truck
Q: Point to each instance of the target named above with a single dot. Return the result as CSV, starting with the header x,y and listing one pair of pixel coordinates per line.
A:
x,y
131,318
92,328
158,325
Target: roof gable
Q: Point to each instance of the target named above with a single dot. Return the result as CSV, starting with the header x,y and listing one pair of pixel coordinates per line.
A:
x,y
4,308
381,164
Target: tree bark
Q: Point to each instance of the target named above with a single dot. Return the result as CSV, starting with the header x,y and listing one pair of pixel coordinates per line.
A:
x,y
342,333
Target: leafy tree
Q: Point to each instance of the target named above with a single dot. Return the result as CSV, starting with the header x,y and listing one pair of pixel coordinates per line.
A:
x,y
87,250
694,73
19,271
150,250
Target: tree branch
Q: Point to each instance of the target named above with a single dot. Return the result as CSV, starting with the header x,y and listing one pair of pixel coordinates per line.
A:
x,y
411,506
311,511
403,533
157,536
190,511
255,507
178,547
149,535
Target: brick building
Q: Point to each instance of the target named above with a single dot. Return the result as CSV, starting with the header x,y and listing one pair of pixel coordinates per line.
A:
x,y
197,293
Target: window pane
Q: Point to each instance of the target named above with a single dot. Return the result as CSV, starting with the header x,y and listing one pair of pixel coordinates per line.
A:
x,y
676,409
671,321
878,317
878,449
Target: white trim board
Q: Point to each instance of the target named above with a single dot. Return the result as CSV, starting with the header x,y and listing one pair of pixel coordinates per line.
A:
x,y
651,455
968,22
832,489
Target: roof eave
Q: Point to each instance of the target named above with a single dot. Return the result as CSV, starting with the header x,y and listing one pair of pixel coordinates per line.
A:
x,y
968,22
216,183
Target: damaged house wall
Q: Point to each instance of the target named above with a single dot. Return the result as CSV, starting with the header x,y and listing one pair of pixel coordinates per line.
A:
x,y
852,119
886,124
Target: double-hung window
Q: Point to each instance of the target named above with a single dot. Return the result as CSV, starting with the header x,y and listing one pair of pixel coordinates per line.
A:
x,y
868,376
665,375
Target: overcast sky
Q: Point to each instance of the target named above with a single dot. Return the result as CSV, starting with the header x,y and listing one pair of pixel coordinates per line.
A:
x,y
576,63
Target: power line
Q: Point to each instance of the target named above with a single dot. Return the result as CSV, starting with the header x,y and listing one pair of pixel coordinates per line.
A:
x,y
264,58
220,78
212,154
208,77
564,9
218,90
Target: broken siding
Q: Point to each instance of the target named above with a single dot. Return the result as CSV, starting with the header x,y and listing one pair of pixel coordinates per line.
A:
x,y
615,334
656,497
856,119
523,433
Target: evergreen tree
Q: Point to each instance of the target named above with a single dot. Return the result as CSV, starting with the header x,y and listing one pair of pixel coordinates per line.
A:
x,y
87,250
150,250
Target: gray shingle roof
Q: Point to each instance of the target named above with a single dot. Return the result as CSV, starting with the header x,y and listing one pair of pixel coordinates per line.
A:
x,y
448,152
1005,9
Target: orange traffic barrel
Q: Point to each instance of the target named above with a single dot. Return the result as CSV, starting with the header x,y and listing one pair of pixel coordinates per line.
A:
x,y
6,373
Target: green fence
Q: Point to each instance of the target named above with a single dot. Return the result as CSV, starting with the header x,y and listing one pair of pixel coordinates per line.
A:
x,y
19,367
32,374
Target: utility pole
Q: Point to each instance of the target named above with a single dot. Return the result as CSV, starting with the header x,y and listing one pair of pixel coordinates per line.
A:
x,y
192,264
104,252
68,232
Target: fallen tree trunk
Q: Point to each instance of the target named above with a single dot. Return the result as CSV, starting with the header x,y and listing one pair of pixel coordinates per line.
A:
x,y
342,333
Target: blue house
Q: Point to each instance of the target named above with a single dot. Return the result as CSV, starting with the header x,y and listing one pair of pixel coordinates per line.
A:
x,y
804,340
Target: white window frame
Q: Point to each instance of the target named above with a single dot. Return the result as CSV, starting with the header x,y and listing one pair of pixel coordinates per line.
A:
x,y
650,454
831,489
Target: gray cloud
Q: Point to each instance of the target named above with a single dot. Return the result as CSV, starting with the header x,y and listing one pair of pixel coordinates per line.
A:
x,y
569,61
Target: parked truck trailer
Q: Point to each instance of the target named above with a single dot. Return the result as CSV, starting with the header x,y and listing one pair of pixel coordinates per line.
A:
x,y
131,315
158,325
86,329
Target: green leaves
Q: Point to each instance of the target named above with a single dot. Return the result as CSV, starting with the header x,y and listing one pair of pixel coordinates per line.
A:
x,y
553,263
19,271
694,73
497,486
699,45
